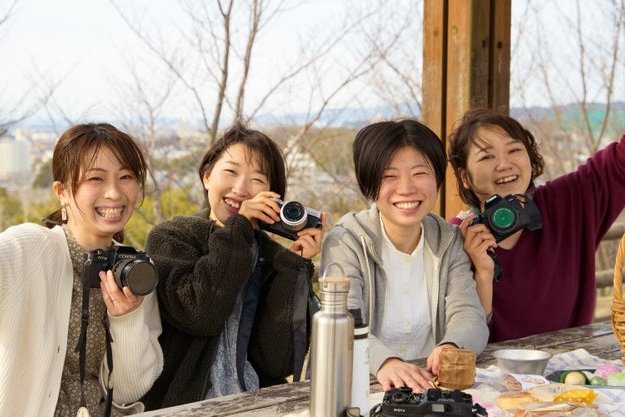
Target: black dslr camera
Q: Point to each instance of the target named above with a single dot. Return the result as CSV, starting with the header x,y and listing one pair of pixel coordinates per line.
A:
x,y
504,216
403,402
294,216
131,268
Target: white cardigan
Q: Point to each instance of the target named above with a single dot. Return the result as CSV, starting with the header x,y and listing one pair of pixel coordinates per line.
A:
x,y
36,278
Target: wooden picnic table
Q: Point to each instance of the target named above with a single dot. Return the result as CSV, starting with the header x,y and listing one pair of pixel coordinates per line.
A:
x,y
280,400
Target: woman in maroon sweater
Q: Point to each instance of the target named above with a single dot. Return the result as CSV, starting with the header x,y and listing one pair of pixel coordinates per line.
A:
x,y
548,275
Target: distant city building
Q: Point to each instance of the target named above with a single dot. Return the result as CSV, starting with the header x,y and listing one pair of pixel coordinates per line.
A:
x,y
15,160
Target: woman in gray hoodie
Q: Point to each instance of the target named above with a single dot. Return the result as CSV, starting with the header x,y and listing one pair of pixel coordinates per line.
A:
x,y
409,273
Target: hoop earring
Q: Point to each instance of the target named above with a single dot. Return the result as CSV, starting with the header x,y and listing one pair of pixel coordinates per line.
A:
x,y
63,215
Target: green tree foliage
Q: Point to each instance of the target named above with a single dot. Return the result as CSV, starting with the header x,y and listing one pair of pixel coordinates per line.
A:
x,y
174,202
44,178
10,209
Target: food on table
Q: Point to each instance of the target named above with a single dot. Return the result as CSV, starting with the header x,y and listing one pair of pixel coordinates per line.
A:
x,y
605,370
577,395
562,393
617,379
597,380
573,378
512,400
511,383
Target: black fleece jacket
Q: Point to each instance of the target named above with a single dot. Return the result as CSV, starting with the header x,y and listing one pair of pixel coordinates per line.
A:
x,y
202,269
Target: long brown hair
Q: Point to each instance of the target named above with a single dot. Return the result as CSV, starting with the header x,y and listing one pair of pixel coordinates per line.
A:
x,y
78,147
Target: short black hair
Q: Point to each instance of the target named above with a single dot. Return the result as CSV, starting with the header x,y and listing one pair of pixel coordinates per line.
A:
x,y
376,143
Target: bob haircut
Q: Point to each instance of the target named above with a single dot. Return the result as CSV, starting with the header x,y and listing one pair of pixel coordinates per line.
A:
x,y
376,143
260,148
467,133
78,148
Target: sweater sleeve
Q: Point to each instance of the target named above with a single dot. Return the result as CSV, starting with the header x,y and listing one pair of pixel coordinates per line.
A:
x,y
466,324
137,355
342,249
593,195
202,269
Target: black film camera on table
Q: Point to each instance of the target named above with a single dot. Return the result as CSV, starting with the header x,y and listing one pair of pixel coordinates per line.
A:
x,y
294,216
433,403
131,268
504,216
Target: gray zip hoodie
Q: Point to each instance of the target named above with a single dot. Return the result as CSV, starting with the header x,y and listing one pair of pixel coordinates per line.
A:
x,y
457,316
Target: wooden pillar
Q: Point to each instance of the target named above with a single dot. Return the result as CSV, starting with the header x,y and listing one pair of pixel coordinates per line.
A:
x,y
466,64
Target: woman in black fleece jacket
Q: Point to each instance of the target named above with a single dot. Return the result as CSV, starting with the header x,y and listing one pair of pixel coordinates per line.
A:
x,y
233,301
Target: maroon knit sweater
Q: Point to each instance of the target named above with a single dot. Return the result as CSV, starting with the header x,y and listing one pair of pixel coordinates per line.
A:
x,y
548,279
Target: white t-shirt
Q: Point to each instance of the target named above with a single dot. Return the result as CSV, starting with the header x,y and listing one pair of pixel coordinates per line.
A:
x,y
406,321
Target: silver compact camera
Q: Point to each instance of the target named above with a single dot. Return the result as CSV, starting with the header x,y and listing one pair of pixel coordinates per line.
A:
x,y
294,216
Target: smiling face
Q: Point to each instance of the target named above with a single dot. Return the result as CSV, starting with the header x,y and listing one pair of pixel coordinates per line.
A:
x,y
102,202
408,192
235,177
496,164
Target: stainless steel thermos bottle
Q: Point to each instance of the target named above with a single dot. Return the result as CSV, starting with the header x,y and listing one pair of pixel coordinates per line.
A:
x,y
331,351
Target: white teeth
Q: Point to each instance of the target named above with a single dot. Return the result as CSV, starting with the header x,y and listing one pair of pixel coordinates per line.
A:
x,y
407,205
232,203
110,212
506,179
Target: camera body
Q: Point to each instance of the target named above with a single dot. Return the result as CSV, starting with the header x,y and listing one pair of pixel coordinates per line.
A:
x,y
294,216
131,268
504,216
434,402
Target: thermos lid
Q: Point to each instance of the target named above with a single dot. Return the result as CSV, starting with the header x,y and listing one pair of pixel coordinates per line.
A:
x,y
334,284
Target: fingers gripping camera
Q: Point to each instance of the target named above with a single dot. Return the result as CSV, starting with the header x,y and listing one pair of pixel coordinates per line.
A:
x,y
131,268
294,216
504,216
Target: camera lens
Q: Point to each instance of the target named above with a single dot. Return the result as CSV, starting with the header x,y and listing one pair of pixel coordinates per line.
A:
x,y
138,275
503,218
399,397
294,216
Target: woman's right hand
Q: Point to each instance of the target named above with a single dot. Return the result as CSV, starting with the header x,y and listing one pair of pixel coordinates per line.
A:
x,y
396,373
477,239
261,207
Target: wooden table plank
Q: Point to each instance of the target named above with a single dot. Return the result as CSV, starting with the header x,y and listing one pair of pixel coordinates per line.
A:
x,y
281,400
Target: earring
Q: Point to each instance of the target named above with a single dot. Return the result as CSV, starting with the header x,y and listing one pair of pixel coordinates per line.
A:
x,y
63,215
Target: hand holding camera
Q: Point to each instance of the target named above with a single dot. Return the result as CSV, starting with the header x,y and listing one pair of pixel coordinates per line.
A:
x,y
294,217
130,268
504,216
299,223
126,274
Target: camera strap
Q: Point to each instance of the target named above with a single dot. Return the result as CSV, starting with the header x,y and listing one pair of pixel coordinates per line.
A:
x,y
81,348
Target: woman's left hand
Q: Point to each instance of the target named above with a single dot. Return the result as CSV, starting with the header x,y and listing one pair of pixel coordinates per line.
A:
x,y
118,302
434,359
308,243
